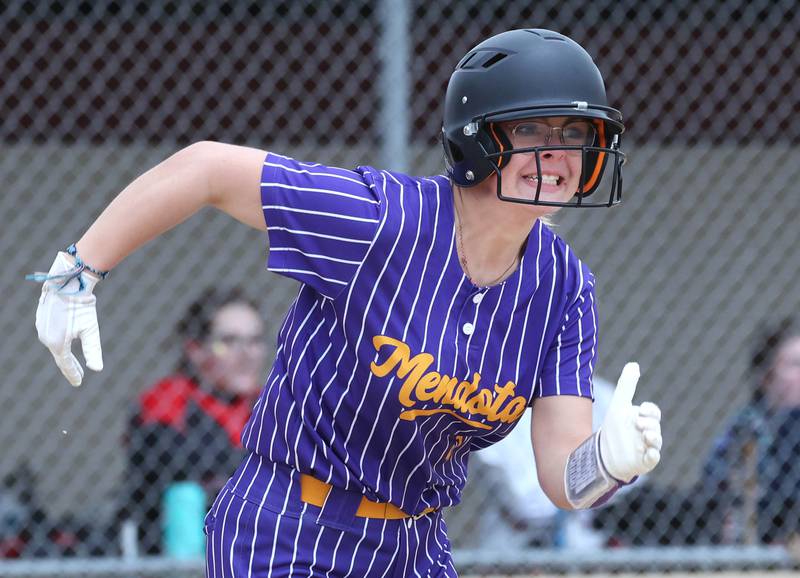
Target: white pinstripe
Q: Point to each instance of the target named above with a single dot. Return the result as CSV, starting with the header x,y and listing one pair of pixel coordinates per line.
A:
x,y
405,563
500,363
358,545
235,533
363,325
319,213
405,335
292,387
280,517
388,389
312,165
266,394
297,537
445,434
322,357
394,555
436,291
289,363
453,373
377,549
249,434
438,418
530,303
489,330
320,235
549,304
436,537
307,272
594,342
332,193
580,340
314,256
357,181
383,330
425,542
258,513
344,348
315,550
451,252
335,553
411,440
355,550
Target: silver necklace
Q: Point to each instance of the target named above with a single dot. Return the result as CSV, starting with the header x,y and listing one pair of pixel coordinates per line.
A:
x,y
464,254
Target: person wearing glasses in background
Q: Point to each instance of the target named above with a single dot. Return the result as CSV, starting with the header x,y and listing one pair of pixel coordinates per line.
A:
x,y
187,426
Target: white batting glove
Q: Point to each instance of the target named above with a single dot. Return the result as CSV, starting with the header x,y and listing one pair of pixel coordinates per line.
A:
x,y
630,437
67,310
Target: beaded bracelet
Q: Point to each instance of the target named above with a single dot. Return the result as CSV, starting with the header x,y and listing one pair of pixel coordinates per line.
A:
x,y
73,250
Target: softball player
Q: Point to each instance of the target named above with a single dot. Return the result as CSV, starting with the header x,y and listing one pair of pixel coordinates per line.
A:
x,y
431,312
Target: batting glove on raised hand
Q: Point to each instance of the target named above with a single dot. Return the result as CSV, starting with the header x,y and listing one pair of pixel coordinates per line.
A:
x,y
630,437
67,310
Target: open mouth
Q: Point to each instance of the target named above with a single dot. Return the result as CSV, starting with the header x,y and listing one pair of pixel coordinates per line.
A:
x,y
547,179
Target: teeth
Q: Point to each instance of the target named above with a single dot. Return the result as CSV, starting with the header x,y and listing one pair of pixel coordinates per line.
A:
x,y
546,179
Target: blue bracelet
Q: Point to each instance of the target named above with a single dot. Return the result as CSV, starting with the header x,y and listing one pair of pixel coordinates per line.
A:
x,y
63,278
73,250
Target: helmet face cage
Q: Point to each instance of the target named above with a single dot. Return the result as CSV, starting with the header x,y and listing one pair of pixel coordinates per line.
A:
x,y
579,199
528,74
594,159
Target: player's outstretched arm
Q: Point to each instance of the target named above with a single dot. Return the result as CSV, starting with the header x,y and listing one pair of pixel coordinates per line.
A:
x,y
204,174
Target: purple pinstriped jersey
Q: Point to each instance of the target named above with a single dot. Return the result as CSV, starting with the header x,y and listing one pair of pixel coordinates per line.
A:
x,y
392,366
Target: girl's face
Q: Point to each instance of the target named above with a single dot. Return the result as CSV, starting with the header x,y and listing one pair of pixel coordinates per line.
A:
x,y
561,169
783,388
232,357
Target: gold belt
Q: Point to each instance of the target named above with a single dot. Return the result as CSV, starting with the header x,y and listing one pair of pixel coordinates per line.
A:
x,y
314,492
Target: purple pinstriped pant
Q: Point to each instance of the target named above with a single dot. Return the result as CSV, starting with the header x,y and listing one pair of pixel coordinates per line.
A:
x,y
261,530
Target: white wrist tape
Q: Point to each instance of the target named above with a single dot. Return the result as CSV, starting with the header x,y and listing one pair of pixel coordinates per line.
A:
x,y
585,478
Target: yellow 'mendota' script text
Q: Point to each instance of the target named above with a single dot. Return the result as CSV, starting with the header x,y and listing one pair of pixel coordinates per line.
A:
x,y
456,397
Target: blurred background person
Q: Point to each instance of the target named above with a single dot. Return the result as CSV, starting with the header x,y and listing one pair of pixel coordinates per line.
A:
x,y
752,476
187,426
749,487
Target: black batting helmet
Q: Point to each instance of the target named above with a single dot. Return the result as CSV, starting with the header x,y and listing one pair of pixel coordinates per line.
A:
x,y
523,74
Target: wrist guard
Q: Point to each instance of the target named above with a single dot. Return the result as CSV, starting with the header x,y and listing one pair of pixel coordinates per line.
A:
x,y
587,483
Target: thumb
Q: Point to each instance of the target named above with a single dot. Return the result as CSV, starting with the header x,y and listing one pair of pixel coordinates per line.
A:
x,y
92,351
626,386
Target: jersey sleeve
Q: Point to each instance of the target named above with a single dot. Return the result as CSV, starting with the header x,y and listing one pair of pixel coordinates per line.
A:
x,y
320,220
570,360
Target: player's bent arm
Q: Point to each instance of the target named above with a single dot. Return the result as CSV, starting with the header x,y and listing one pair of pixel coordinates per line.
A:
x,y
560,424
204,174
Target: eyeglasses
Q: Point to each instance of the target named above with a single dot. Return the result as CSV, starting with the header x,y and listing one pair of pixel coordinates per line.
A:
x,y
223,342
537,133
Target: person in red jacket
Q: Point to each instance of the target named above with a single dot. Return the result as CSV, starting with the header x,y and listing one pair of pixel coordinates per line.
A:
x,y
187,426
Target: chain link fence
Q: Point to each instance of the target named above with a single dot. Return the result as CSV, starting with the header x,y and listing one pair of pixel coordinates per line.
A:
x,y
699,261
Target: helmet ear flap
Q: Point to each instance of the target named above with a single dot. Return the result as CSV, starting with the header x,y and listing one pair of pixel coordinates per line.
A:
x,y
496,141
595,162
